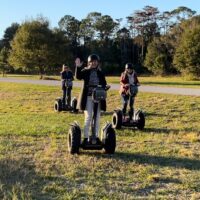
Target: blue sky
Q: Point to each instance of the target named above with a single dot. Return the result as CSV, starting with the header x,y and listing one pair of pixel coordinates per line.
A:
x,y
20,10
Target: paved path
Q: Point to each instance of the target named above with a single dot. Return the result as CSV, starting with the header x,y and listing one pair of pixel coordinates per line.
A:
x,y
143,88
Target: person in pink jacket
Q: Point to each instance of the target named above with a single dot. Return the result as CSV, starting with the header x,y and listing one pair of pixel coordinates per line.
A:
x,y
129,88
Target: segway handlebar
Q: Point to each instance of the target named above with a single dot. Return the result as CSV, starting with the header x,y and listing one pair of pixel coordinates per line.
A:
x,y
67,79
135,85
107,87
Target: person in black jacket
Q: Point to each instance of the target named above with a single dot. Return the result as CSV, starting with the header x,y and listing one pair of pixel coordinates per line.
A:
x,y
91,75
67,83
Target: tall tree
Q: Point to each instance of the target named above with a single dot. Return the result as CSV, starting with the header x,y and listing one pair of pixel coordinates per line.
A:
x,y
182,13
86,31
187,58
63,52
96,32
165,23
1,44
70,26
89,25
33,47
4,60
144,23
123,37
96,25
159,56
105,26
9,34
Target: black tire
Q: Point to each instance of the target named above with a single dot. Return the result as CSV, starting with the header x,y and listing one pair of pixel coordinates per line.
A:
x,y
141,121
58,105
74,139
110,141
117,119
74,103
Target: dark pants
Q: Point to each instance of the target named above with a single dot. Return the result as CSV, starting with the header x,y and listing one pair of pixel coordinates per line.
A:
x,y
66,95
127,99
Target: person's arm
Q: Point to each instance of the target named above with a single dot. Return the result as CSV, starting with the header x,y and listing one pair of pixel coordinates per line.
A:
x,y
136,79
62,75
72,76
78,71
104,82
123,81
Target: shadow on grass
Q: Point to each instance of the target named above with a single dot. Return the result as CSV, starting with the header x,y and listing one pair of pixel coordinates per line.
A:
x,y
147,131
185,163
155,114
161,130
21,177
146,114
151,189
107,113
170,130
163,161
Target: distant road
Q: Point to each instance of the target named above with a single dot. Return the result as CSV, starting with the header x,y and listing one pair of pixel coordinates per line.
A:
x,y
143,88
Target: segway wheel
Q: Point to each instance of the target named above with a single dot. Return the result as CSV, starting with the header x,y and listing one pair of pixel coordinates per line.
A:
x,y
58,105
74,139
141,121
117,119
74,105
110,141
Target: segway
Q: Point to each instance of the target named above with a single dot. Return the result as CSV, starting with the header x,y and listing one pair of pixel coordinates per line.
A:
x,y
60,106
137,120
108,137
134,119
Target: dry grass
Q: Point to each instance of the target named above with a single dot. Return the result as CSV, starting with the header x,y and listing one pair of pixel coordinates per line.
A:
x,y
161,162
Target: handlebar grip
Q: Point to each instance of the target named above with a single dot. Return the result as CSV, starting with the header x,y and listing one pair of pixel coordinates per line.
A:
x,y
107,87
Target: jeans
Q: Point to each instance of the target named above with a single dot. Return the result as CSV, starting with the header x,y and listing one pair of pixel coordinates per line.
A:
x,y
66,96
88,117
125,100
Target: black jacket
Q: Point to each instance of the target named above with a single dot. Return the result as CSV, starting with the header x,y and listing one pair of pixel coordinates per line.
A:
x,y
64,76
84,74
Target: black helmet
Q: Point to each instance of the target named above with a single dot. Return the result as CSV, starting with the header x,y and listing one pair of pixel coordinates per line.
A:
x,y
93,57
129,66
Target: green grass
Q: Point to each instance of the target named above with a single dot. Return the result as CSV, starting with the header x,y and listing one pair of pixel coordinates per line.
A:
x,y
161,162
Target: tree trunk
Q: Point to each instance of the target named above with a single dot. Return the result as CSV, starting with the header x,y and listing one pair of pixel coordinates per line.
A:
x,y
3,73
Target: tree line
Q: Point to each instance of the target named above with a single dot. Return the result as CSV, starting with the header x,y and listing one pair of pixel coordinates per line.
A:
x,y
156,42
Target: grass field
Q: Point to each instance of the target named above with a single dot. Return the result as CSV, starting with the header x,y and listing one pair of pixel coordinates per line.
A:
x,y
170,81
161,162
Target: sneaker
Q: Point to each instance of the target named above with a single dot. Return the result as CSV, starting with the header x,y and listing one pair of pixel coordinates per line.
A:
x,y
85,142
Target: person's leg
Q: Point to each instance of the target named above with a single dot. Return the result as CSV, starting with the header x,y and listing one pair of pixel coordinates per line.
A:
x,y
88,116
68,96
124,103
98,121
131,105
64,96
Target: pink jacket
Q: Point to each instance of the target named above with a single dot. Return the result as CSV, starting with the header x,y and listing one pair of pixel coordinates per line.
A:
x,y
124,80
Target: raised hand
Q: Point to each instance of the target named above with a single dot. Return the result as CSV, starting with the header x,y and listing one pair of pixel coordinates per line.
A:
x,y
78,62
